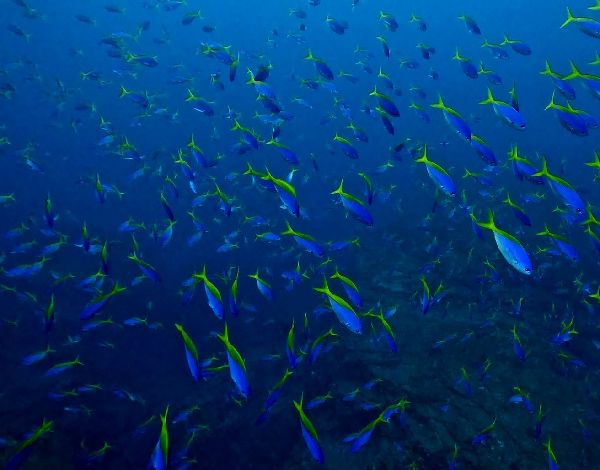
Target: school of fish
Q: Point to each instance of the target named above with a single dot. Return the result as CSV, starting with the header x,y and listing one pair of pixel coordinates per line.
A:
x,y
343,233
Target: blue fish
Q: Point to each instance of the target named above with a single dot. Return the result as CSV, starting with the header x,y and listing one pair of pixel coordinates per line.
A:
x,y
563,189
508,112
438,175
354,206
454,119
191,353
343,310
588,26
213,295
483,150
309,433
510,248
305,241
237,365
160,456
99,302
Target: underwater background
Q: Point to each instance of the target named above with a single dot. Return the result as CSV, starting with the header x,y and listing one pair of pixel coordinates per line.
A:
x,y
290,234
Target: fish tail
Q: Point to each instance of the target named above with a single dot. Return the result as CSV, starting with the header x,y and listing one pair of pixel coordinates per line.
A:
x,y
544,171
423,158
490,98
490,224
575,72
289,230
225,336
570,18
340,189
440,104
191,96
552,104
324,289
547,70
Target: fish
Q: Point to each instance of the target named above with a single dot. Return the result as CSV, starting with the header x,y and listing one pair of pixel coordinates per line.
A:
x,y
588,26
305,241
320,66
454,119
347,148
343,310
213,295
471,24
511,249
160,456
191,353
263,286
281,195
438,175
25,447
237,365
561,243
97,304
563,189
309,433
146,268
354,206
518,212
350,288
517,45
508,112
467,66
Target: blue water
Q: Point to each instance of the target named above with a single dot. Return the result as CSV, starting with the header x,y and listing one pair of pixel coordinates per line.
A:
x,y
435,349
